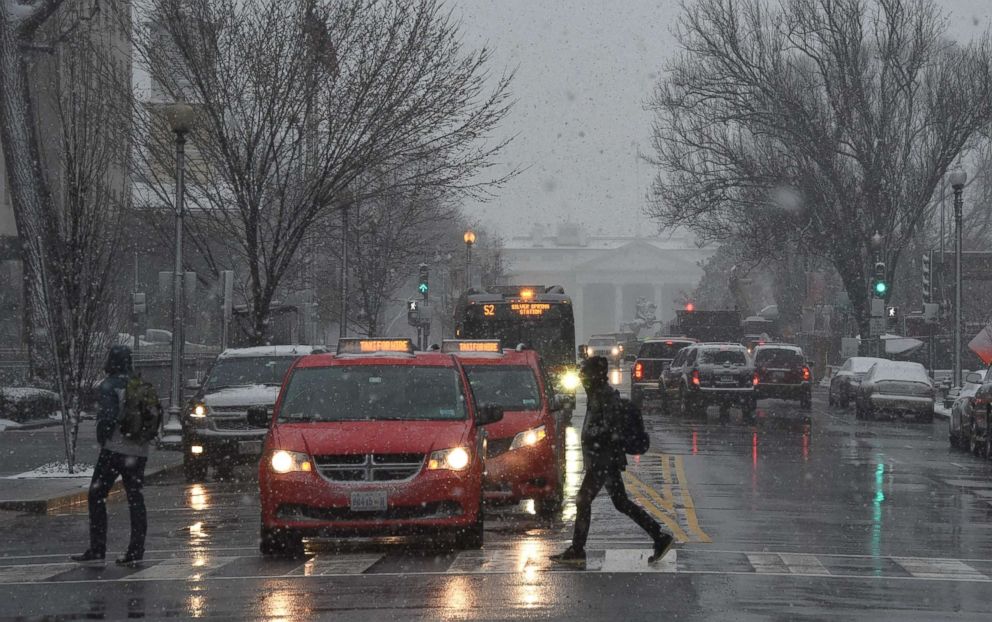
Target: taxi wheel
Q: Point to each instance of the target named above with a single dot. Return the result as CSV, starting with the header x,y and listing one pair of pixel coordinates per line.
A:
x,y
472,536
280,543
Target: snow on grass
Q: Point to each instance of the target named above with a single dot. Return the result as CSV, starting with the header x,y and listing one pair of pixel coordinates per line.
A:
x,y
55,469
8,424
24,393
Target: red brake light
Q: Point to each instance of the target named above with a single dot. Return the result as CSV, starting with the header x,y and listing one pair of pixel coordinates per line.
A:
x,y
806,374
755,380
690,307
695,377
638,371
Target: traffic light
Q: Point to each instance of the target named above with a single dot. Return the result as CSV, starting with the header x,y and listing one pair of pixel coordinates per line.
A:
x,y
927,270
892,317
413,313
138,305
690,307
880,286
423,286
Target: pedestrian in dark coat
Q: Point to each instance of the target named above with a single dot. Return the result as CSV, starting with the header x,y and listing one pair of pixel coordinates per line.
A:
x,y
605,461
119,457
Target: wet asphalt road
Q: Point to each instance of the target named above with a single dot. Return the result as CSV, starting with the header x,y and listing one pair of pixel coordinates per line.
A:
x,y
805,515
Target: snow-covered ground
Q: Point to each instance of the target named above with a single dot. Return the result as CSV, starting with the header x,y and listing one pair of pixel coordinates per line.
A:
x,y
23,393
55,469
7,424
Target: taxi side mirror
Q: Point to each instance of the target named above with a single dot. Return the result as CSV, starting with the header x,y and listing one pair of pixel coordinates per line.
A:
x,y
563,401
973,378
258,416
583,351
489,413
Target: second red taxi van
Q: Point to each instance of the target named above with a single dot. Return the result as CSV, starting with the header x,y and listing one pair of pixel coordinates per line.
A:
x,y
525,455
374,440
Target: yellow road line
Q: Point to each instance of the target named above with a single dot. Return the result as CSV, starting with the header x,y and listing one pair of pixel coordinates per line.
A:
x,y
666,478
637,486
690,507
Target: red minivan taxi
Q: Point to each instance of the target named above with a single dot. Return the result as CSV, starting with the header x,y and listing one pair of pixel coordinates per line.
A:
x,y
374,440
525,456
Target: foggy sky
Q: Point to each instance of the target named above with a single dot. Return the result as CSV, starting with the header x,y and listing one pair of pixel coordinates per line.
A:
x,y
585,68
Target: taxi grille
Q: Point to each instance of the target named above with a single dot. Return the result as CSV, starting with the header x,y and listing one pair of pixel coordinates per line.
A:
x,y
369,467
434,509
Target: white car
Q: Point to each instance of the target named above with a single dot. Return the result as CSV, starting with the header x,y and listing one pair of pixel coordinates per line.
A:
x,y
897,388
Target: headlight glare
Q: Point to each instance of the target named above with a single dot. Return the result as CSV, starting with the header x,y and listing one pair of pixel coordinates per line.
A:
x,y
283,461
570,380
529,438
199,411
454,459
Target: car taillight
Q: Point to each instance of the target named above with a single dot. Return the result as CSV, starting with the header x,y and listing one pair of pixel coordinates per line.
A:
x,y
695,377
755,380
806,374
638,371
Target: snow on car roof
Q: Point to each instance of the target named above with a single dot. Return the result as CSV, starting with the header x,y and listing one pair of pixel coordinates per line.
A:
x,y
900,370
260,351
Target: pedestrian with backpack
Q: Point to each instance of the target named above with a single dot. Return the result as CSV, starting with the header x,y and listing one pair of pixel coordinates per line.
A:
x,y
126,423
612,427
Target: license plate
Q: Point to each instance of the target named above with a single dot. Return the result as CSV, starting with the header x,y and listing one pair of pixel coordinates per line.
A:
x,y
249,447
368,501
779,375
727,379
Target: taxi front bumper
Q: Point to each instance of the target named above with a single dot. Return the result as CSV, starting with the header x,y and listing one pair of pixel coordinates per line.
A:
x,y
523,473
309,503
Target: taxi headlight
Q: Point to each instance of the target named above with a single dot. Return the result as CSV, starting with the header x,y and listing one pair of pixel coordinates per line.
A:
x,y
570,380
454,459
529,438
283,461
199,411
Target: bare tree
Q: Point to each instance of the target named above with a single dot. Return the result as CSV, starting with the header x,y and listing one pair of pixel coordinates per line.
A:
x,y
306,107
814,123
70,229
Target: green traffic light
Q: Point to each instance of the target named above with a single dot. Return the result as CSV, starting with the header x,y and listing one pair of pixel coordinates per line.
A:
x,y
881,287
423,288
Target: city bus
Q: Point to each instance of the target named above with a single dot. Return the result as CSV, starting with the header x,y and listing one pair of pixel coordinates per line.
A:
x,y
538,317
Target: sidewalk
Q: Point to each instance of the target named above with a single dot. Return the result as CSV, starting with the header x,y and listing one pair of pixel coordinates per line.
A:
x,y
24,450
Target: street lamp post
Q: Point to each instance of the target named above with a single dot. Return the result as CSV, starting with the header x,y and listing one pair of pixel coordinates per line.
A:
x,y
876,245
469,238
957,178
180,116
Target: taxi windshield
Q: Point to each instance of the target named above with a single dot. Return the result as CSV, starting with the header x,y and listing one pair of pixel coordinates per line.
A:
x,y
513,388
372,392
240,371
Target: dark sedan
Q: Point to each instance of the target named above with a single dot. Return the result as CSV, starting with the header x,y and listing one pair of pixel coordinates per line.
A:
x,y
844,383
896,388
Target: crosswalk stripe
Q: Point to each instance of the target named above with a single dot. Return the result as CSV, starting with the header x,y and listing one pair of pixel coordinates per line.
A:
x,y
802,563
767,563
182,568
636,560
26,573
938,568
322,565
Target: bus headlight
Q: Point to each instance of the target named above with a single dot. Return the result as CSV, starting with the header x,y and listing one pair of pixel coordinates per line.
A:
x,y
454,459
528,438
570,380
283,461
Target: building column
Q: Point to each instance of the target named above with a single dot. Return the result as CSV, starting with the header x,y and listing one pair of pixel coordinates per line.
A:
x,y
618,292
659,313
577,310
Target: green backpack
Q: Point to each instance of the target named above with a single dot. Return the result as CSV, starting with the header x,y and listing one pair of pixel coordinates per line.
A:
x,y
141,412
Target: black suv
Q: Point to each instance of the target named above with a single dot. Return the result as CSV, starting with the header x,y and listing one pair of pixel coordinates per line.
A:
x,y
711,373
653,358
781,371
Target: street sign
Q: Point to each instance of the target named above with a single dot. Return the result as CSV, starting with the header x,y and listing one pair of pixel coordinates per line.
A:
x,y
138,305
877,326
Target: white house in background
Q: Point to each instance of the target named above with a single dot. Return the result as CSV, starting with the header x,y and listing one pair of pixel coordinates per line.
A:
x,y
606,274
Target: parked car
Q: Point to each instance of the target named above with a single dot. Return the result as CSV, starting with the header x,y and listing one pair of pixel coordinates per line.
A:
x,y
967,424
781,371
711,373
653,358
844,383
896,388
215,427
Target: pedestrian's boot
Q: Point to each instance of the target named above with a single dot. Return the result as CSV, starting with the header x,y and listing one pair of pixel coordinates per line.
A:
x,y
89,558
662,545
130,558
571,556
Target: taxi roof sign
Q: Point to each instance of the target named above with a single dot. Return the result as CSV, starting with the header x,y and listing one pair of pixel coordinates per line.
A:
x,y
370,346
466,346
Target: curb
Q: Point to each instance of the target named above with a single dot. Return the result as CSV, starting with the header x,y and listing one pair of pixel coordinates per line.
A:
x,y
61,502
35,425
